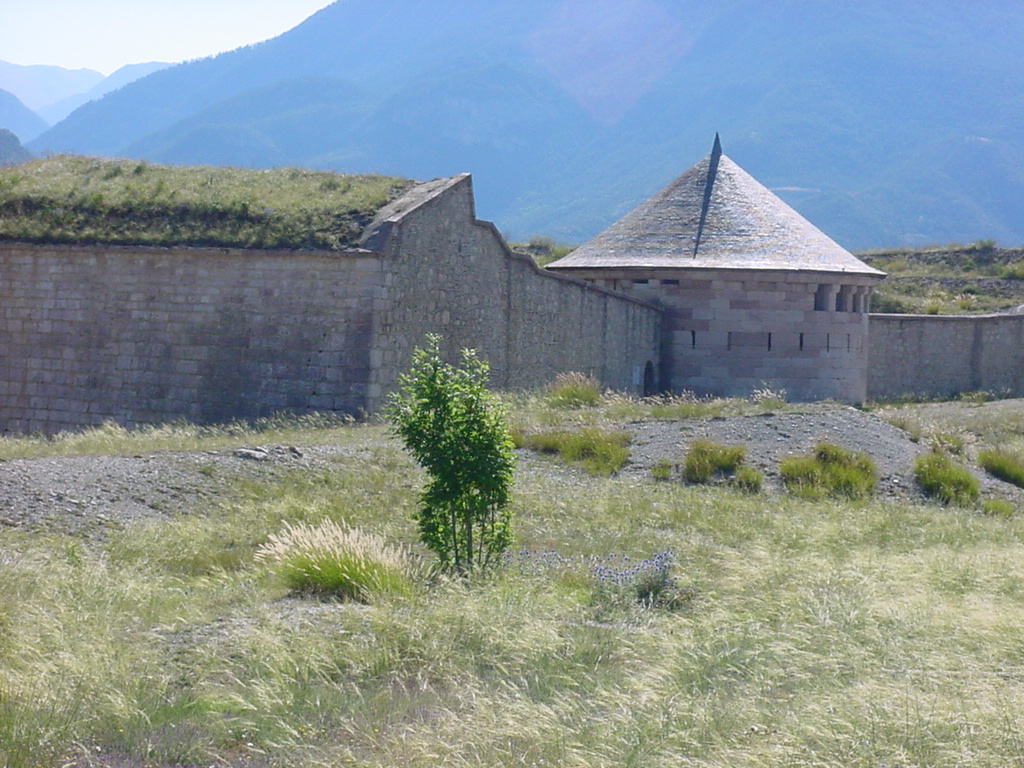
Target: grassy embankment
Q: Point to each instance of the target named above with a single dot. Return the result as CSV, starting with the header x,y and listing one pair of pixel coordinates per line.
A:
x,y
951,280
815,633
72,199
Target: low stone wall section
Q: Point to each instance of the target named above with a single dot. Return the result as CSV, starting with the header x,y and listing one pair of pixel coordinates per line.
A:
x,y
941,356
145,335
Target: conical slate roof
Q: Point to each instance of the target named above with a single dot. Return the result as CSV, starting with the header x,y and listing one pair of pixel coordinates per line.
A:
x,y
715,216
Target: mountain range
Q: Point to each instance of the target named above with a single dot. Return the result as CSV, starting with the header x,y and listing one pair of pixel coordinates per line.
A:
x,y
884,123
34,97
19,119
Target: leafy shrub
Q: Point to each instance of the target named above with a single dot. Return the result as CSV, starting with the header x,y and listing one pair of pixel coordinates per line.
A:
x,y
1014,271
1006,465
706,459
748,479
998,507
600,451
574,390
459,434
830,471
329,559
942,478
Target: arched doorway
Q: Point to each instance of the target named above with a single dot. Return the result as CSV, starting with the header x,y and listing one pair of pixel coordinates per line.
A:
x,y
650,380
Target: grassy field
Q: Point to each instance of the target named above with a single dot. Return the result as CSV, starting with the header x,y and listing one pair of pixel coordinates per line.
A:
x,y
812,633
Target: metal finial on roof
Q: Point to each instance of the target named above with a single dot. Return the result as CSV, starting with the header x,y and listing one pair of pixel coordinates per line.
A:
x,y
709,185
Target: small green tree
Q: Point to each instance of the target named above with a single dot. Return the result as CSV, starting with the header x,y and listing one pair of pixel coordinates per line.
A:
x,y
458,433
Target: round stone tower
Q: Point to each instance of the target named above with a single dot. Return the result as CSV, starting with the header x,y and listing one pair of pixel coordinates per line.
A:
x,y
753,294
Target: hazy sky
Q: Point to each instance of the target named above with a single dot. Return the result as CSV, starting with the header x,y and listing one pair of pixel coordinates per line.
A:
x,y
106,34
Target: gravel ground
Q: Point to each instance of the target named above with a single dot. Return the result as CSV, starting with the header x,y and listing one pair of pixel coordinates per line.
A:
x,y
89,495
771,437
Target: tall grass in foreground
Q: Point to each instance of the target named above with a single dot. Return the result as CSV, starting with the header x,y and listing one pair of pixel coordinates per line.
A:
x,y
815,633
332,560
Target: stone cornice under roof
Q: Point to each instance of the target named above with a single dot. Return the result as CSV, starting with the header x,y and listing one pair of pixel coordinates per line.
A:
x,y
745,226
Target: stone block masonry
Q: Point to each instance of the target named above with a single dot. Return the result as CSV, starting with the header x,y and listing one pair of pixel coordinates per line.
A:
x,y
734,332
143,335
940,356
449,273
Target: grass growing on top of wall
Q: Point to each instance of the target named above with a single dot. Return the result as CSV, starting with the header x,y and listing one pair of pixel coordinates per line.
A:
x,y
824,633
72,199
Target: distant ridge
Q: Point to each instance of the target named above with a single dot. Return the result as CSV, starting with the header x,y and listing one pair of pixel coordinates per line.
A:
x,y
19,119
884,125
57,111
11,151
38,85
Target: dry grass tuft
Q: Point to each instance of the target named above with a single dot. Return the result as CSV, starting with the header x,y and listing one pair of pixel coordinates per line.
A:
x,y
331,559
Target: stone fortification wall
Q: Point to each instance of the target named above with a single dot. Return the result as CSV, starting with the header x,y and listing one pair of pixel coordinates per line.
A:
x,y
451,274
559,323
945,355
142,335
731,332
